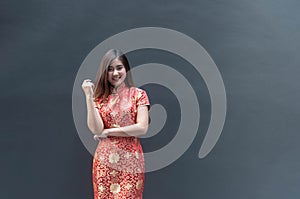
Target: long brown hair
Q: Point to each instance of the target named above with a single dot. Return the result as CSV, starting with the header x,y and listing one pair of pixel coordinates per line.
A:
x,y
102,86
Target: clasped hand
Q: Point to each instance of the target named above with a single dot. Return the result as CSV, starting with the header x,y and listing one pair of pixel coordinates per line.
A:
x,y
88,87
104,134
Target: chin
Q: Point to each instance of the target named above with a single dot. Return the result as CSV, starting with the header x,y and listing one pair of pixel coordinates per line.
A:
x,y
116,84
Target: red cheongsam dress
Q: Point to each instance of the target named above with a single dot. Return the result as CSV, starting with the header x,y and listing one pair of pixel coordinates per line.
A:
x,y
118,164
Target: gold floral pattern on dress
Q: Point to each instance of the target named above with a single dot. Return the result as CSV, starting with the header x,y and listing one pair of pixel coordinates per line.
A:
x,y
127,155
101,188
114,158
139,184
114,100
115,126
137,155
115,142
139,95
128,186
100,174
115,188
117,172
114,113
101,157
113,173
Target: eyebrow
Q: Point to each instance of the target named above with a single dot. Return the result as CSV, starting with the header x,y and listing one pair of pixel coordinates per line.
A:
x,y
117,65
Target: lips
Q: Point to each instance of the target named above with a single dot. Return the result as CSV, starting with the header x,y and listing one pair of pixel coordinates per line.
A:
x,y
116,78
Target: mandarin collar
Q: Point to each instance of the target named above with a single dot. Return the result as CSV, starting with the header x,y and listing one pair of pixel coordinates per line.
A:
x,y
120,89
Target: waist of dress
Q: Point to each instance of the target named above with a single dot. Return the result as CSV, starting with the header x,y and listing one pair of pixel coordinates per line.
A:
x,y
120,138
120,142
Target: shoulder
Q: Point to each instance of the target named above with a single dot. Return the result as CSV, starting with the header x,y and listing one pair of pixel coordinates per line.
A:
x,y
137,91
140,97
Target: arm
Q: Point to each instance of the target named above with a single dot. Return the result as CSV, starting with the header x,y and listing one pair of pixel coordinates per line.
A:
x,y
94,120
139,128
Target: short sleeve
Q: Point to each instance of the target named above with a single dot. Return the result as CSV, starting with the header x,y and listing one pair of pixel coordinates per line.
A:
x,y
142,98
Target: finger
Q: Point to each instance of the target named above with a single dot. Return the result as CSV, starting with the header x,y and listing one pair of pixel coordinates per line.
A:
x,y
88,84
96,137
87,81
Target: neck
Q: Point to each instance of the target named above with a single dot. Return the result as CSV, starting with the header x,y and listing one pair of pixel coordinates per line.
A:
x,y
115,89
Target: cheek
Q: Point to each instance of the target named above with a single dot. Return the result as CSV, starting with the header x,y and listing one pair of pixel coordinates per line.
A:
x,y
109,75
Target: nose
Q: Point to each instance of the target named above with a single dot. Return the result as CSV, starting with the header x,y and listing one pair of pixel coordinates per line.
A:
x,y
115,72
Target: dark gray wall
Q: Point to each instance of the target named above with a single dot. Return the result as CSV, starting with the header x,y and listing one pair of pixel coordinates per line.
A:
x,y
254,44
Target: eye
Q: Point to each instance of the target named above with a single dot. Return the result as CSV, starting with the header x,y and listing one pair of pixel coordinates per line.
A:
x,y
110,69
120,68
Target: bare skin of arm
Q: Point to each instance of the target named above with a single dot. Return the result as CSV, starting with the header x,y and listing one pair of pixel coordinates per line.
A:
x,y
94,120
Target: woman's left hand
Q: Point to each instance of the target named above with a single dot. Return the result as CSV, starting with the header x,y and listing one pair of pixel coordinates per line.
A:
x,y
102,135
105,132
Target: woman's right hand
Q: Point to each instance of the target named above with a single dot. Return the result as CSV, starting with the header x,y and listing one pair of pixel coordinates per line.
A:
x,y
88,87
99,137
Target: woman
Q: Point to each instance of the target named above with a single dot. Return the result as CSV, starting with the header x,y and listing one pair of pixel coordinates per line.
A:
x,y
117,113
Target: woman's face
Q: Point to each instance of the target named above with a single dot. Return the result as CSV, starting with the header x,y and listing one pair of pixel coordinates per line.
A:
x,y
116,73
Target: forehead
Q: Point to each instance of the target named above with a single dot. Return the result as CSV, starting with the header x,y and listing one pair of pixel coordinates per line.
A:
x,y
116,62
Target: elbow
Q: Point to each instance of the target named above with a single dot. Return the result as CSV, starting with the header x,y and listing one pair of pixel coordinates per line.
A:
x,y
144,130
94,130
